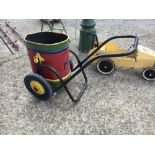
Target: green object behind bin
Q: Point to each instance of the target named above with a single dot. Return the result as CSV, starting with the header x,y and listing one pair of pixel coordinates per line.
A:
x,y
86,40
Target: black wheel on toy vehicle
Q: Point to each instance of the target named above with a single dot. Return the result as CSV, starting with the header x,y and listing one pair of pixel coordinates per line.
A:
x,y
149,74
105,66
38,86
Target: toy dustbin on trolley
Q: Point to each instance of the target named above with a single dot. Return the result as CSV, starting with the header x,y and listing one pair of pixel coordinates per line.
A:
x,y
47,49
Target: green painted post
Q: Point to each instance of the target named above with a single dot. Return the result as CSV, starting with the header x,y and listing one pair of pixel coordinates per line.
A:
x,y
86,40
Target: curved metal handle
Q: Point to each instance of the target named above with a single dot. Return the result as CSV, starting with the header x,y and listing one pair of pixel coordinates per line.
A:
x,y
130,51
119,37
86,61
136,42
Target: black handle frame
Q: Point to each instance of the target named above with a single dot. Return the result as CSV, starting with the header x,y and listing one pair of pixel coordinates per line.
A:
x,y
84,63
64,83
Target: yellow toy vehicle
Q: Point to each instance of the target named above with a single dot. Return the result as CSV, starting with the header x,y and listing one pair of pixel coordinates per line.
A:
x,y
143,58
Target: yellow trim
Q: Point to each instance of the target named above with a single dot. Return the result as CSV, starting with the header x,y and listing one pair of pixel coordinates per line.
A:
x,y
57,80
47,44
37,87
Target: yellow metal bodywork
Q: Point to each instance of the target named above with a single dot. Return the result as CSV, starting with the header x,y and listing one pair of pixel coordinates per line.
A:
x,y
142,58
37,87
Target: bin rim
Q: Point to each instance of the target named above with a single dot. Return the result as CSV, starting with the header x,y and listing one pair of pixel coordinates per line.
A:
x,y
47,44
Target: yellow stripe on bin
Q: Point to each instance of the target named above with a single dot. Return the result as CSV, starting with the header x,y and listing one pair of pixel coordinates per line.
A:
x,y
57,80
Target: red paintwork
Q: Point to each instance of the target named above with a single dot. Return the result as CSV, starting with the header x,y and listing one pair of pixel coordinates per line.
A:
x,y
56,60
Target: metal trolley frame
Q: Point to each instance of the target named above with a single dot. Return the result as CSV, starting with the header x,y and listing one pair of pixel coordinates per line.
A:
x,y
85,62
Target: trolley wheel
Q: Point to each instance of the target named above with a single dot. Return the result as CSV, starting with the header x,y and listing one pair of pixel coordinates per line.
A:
x,y
38,86
105,66
71,65
149,74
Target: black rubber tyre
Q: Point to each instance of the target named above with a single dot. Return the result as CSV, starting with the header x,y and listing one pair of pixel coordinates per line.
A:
x,y
105,66
38,86
149,74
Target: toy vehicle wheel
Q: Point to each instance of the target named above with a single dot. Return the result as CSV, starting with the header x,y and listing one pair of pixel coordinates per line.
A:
x,y
38,86
105,66
71,65
149,74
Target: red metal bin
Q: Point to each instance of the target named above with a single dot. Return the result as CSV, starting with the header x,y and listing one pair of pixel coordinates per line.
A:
x,y
51,49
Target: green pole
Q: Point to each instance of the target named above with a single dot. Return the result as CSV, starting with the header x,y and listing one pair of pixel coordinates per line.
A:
x,y
86,40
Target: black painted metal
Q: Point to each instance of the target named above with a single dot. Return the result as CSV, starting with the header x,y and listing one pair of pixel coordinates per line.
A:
x,y
64,83
84,63
87,62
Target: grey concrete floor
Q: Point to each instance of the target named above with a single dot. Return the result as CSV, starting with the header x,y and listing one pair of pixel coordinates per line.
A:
x,y
121,103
